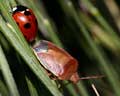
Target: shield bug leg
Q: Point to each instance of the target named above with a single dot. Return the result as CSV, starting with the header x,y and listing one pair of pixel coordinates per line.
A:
x,y
75,78
48,73
52,76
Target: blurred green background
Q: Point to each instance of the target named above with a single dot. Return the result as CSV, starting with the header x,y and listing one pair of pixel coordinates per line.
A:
x,y
88,29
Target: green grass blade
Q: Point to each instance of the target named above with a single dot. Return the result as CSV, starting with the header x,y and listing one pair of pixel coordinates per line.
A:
x,y
29,57
16,38
31,87
100,34
12,3
4,43
7,74
71,90
82,89
95,12
3,89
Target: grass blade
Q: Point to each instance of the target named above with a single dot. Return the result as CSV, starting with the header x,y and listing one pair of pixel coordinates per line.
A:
x,y
32,89
3,89
7,74
17,40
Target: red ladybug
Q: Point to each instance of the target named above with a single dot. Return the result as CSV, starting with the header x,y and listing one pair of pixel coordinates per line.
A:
x,y
57,61
26,21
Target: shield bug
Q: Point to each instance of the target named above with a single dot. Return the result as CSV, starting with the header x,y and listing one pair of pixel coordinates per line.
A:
x,y
57,61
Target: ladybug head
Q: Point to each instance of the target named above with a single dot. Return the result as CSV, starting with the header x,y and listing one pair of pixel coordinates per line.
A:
x,y
19,8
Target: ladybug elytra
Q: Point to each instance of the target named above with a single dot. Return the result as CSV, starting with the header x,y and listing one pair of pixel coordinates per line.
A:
x,y
26,21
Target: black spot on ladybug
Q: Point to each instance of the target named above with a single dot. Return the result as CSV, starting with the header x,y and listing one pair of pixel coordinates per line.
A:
x,y
27,25
27,13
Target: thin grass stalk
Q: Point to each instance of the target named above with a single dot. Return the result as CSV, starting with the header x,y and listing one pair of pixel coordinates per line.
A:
x,y
8,5
114,10
71,90
8,75
99,33
98,53
95,90
4,43
95,12
3,89
31,87
82,89
12,3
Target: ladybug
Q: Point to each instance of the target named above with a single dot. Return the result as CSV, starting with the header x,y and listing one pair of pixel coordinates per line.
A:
x,y
56,61
26,21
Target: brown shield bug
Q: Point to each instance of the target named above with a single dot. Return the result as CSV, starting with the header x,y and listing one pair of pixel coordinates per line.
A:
x,y
58,62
